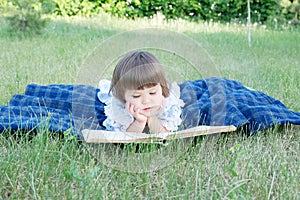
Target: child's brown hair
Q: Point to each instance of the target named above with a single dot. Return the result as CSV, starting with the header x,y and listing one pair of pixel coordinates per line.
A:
x,y
137,70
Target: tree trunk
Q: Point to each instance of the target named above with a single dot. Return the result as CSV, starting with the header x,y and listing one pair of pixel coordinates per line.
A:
x,y
296,3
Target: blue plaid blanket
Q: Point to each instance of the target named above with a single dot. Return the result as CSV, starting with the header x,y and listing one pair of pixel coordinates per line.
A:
x,y
213,101
217,101
56,107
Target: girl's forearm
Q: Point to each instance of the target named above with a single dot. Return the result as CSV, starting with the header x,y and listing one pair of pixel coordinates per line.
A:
x,y
136,126
156,126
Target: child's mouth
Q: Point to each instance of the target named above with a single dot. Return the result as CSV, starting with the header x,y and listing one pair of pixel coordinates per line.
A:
x,y
147,109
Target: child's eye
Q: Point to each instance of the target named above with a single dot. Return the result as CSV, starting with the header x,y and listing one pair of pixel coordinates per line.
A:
x,y
152,93
136,96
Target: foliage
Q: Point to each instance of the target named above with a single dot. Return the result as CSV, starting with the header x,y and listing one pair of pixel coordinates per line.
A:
x,y
5,6
221,10
26,23
76,7
26,16
271,12
292,7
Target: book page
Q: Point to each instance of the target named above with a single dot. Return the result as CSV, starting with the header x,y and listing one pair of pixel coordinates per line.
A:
x,y
199,130
102,136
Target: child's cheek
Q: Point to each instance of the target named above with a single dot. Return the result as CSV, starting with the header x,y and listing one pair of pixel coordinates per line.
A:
x,y
134,103
131,101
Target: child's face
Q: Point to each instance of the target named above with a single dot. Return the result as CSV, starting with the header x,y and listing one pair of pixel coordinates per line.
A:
x,y
147,99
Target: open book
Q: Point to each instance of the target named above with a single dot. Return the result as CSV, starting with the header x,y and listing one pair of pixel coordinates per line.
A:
x,y
102,136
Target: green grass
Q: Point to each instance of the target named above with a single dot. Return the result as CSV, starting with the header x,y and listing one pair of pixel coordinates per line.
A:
x,y
230,166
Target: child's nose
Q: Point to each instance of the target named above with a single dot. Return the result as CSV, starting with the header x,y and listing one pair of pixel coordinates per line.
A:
x,y
145,100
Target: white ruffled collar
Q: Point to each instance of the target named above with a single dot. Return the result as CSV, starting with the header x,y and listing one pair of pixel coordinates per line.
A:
x,y
118,118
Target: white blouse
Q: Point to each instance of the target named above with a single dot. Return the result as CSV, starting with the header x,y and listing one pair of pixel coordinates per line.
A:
x,y
119,119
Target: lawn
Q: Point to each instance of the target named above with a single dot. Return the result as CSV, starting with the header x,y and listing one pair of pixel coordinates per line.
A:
x,y
227,166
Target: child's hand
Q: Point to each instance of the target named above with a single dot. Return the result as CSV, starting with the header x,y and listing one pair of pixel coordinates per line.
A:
x,y
157,109
155,125
136,113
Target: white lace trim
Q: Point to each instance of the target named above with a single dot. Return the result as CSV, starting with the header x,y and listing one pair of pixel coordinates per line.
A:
x,y
119,119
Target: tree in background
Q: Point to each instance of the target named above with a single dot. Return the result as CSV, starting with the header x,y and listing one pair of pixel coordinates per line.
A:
x,y
25,16
293,7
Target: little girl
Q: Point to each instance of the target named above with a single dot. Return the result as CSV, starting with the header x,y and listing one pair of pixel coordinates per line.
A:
x,y
139,98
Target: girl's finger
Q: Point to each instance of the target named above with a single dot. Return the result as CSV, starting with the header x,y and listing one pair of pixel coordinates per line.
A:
x,y
132,109
127,104
138,111
162,102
